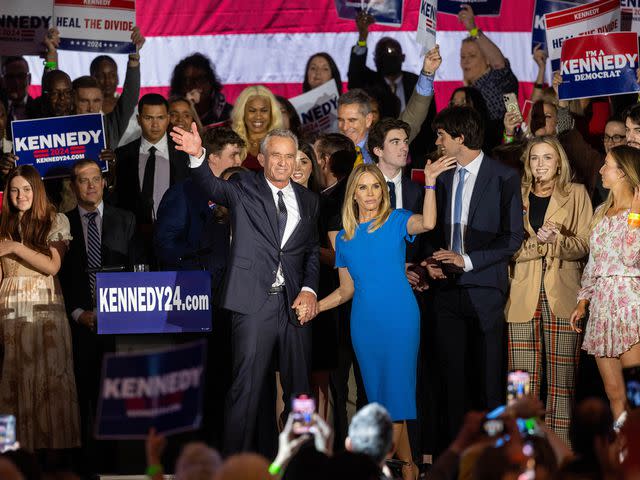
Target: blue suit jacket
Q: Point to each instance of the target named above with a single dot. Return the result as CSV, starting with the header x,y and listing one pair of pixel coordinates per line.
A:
x,y
494,229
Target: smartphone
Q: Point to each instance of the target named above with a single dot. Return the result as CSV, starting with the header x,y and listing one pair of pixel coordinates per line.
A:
x,y
632,385
493,427
303,406
511,104
7,433
517,384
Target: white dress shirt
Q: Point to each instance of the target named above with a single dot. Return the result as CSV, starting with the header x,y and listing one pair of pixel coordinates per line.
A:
x,y
397,181
162,173
84,221
469,182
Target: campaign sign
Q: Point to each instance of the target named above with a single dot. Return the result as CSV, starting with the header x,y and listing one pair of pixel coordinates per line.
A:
x,y
154,302
480,7
162,389
318,108
386,12
427,21
538,31
53,145
599,65
601,16
95,25
23,26
630,15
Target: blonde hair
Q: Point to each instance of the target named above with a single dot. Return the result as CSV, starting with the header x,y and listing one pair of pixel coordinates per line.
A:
x,y
237,114
350,212
628,160
563,176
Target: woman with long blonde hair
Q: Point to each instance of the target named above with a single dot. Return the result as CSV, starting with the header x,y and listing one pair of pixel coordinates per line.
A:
x,y
546,278
385,319
37,384
256,113
611,280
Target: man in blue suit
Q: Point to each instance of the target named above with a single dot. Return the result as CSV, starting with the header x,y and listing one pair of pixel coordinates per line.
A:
x,y
479,229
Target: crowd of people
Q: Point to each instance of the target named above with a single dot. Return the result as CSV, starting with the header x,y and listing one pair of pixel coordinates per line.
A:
x,y
518,249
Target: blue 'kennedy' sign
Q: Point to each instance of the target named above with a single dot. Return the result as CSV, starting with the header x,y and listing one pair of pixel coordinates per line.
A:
x,y
154,302
160,389
53,145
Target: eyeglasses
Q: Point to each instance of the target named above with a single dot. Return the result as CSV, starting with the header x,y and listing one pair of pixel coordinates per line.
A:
x,y
613,138
60,93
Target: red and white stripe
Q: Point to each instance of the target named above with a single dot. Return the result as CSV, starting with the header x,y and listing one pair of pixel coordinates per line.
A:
x,y
268,42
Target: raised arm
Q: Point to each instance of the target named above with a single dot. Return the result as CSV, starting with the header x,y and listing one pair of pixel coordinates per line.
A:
x,y
489,49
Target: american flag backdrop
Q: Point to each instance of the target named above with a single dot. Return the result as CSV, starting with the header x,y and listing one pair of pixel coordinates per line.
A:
x,y
269,41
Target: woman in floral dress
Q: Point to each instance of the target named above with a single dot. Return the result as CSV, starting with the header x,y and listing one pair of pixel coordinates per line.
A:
x,y
37,385
611,280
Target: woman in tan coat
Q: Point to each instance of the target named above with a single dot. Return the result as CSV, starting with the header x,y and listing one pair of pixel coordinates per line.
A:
x,y
546,278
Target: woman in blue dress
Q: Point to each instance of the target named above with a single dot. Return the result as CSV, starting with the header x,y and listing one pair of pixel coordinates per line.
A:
x,y
385,319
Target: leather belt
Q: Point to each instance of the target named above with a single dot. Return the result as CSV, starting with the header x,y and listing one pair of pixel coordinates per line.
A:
x,y
276,290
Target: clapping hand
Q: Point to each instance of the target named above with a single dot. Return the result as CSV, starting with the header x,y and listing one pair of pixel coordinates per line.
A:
x,y
548,233
188,142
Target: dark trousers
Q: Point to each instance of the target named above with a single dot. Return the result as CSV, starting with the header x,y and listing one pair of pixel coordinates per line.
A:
x,y
254,338
469,330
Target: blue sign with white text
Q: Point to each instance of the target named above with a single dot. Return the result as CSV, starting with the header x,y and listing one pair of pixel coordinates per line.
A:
x,y
480,7
538,35
160,389
154,302
53,145
385,12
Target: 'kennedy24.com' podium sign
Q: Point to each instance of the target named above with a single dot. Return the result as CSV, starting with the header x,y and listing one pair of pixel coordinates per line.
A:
x,y
153,302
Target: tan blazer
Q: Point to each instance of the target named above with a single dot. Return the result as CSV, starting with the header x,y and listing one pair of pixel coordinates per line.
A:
x,y
564,259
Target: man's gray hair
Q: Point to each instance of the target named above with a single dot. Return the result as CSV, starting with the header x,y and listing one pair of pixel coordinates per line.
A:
x,y
197,461
371,432
277,132
356,96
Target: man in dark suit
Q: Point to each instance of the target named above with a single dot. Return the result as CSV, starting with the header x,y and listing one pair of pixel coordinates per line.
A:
x,y
148,166
16,79
479,229
273,269
103,236
391,86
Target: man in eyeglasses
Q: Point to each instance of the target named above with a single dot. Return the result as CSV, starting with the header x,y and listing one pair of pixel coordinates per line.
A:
x,y
614,134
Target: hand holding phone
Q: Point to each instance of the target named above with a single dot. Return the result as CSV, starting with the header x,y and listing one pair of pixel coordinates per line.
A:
x,y
303,406
511,105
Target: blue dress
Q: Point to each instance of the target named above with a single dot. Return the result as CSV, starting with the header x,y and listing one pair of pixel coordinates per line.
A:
x,y
385,319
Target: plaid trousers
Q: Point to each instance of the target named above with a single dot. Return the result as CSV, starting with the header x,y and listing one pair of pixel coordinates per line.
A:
x,y
546,346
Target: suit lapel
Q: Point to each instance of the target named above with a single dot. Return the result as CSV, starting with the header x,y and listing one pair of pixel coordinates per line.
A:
x,y
556,202
268,204
484,175
77,233
447,182
136,154
303,214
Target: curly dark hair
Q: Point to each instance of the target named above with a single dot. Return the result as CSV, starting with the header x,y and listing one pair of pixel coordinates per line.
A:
x,y
199,61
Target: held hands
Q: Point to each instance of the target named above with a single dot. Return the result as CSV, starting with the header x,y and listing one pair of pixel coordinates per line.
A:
x,y
449,258
433,169
188,142
578,314
467,17
306,306
548,233
432,61
433,269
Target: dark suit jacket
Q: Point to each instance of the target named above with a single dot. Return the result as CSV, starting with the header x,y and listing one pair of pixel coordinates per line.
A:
x,y
185,225
361,76
494,229
413,200
255,250
127,193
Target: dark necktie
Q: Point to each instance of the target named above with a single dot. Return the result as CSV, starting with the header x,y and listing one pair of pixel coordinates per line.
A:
x,y
147,186
282,216
392,194
94,254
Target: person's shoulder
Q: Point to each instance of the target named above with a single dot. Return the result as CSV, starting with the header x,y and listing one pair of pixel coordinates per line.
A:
x,y
500,168
127,148
113,212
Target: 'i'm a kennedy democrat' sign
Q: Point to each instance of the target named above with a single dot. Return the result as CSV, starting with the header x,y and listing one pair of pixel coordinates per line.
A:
x,y
598,65
161,389
53,145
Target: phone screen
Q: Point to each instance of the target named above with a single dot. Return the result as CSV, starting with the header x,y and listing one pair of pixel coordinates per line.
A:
x,y
517,384
493,427
632,384
303,407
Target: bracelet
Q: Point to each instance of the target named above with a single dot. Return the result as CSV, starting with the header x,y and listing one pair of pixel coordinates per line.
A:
x,y
474,32
633,223
50,65
539,85
429,187
634,216
274,469
428,74
507,138
152,470
362,43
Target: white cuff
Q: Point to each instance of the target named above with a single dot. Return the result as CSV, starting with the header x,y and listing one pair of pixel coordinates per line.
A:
x,y
76,314
307,289
195,162
468,266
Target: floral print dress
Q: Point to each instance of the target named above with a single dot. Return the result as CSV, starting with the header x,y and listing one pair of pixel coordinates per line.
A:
x,y
611,283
